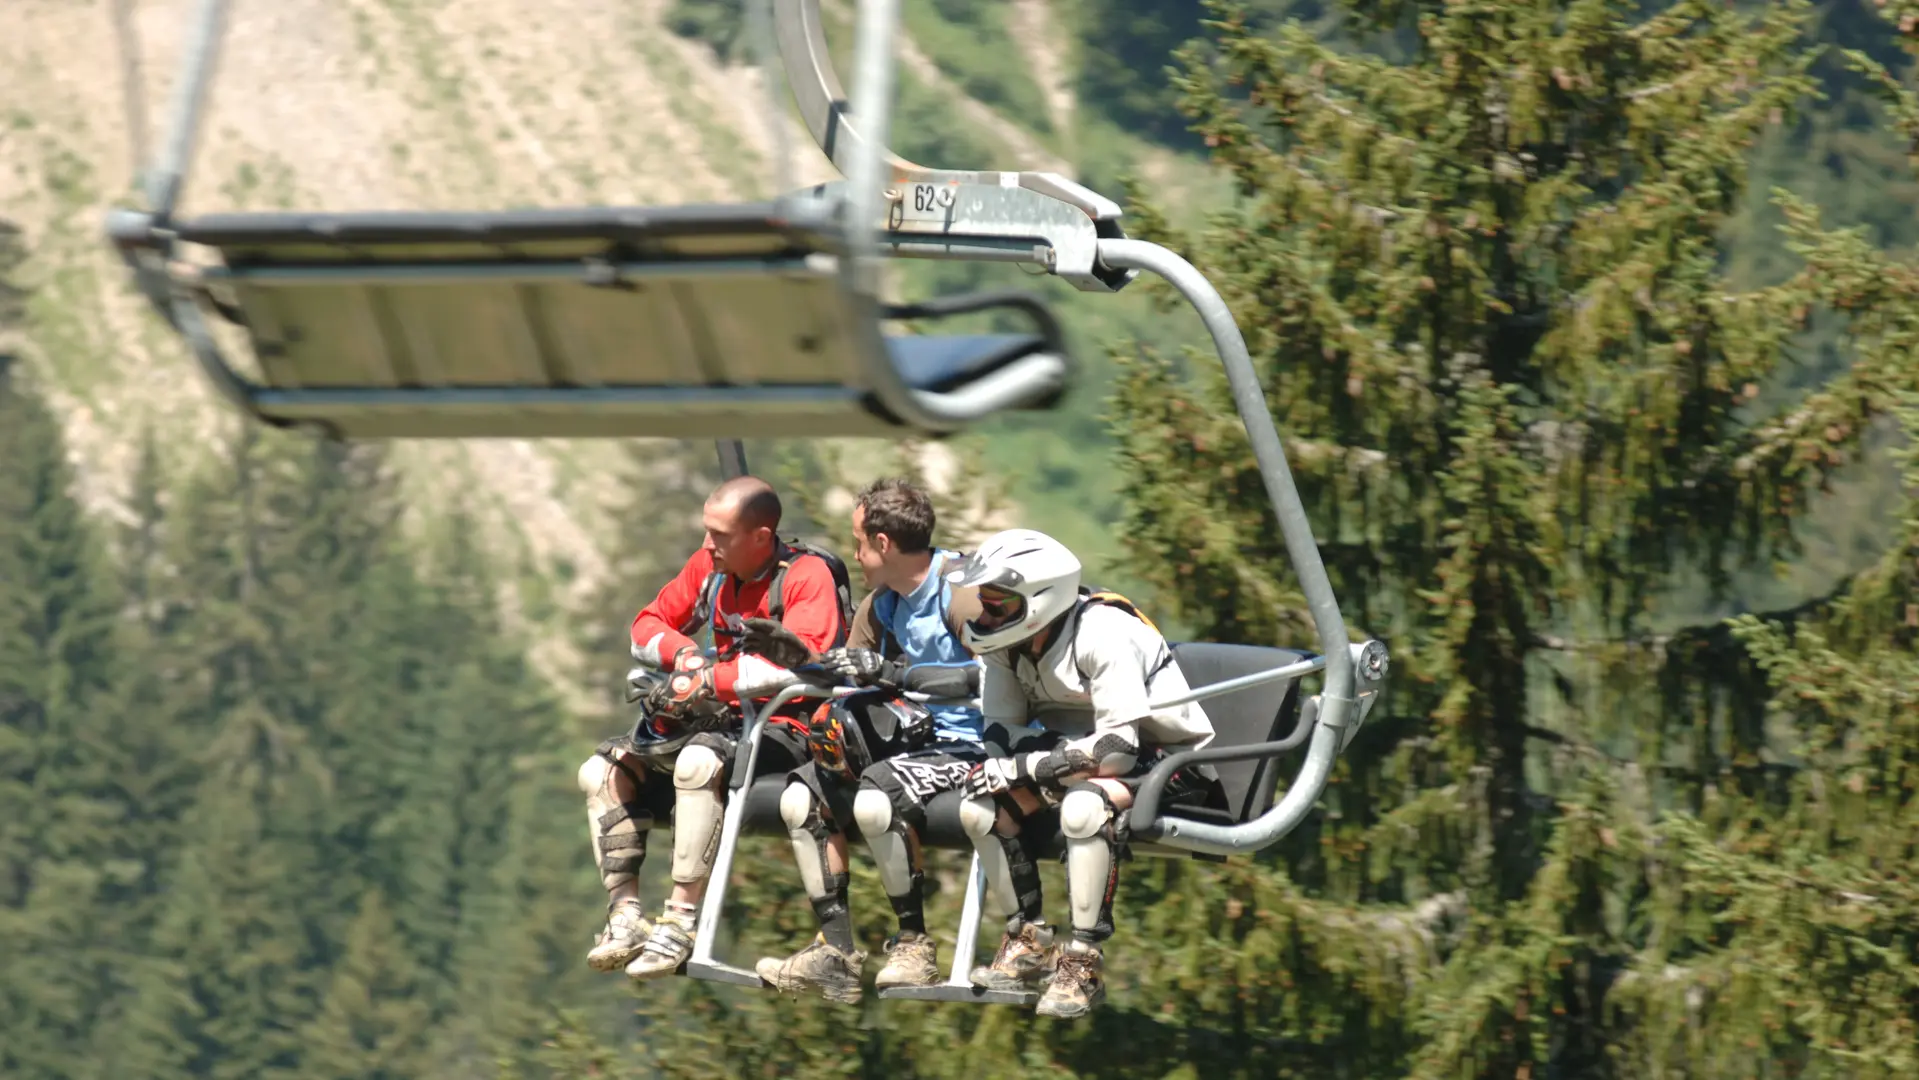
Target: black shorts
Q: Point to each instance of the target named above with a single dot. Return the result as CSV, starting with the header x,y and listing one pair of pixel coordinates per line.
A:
x,y
782,750
1191,785
910,780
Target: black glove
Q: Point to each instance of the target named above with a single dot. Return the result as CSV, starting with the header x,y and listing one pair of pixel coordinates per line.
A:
x,y
768,639
863,667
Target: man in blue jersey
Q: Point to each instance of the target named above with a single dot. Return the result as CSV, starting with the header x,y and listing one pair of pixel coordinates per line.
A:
x,y
905,636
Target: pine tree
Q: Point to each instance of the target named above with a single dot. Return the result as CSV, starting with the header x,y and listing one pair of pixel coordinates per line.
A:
x,y
1482,289
230,978
65,864
372,1024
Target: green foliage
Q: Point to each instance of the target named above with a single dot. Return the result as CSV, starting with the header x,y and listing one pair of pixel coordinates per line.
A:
x,y
63,858
971,43
1484,289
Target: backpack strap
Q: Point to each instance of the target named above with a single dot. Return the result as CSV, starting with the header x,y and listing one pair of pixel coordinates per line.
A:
x,y
706,605
884,605
1107,598
789,552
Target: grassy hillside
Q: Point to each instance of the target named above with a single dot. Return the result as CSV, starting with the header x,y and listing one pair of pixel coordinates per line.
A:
x,y
494,103
383,104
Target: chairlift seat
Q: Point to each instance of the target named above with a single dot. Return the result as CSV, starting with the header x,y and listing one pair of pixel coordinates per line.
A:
x,y
704,321
1245,717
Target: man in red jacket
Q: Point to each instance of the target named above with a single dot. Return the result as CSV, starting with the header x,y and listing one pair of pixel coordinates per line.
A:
x,y
692,731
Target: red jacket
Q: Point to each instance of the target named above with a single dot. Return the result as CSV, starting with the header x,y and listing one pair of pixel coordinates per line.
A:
x,y
812,611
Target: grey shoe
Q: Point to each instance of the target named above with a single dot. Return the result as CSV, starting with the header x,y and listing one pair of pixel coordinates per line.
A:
x,y
819,968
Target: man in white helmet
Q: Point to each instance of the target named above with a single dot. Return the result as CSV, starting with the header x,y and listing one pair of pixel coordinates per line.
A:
x,y
1085,666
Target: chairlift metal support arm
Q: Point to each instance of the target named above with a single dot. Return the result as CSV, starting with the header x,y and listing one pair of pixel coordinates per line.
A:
x,y
856,139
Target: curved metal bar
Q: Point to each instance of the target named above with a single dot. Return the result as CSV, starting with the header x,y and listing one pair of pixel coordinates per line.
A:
x,y
943,307
1145,809
707,926
1338,700
1262,831
1334,643
817,92
1029,379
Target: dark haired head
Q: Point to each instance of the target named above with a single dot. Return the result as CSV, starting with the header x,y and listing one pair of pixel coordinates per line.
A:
x,y
901,510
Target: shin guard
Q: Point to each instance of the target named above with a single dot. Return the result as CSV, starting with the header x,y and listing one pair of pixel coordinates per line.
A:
x,y
1086,816
617,828
810,832
696,813
1011,875
885,834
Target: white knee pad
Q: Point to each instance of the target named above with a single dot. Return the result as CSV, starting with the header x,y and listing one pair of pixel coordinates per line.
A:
x,y
977,817
1082,814
796,802
593,775
872,812
696,767
696,814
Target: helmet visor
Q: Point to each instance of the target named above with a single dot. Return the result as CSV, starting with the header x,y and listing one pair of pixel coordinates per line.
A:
x,y
1001,602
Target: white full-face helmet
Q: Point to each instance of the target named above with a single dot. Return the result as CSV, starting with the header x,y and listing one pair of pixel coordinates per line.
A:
x,y
1034,568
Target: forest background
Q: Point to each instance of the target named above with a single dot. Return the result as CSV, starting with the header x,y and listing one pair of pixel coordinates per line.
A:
x,y
1590,329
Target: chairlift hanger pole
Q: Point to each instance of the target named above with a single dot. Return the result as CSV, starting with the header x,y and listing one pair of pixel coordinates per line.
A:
x,y
859,147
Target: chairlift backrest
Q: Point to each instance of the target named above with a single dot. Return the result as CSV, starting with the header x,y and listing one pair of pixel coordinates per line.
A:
x,y
1256,714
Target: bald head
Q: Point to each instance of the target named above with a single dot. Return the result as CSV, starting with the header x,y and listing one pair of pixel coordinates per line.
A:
x,y
750,499
741,518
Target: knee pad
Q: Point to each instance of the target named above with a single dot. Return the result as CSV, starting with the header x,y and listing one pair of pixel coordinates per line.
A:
x,y
1085,811
977,817
796,806
885,835
696,812
873,812
1011,875
696,767
618,829
594,773
810,832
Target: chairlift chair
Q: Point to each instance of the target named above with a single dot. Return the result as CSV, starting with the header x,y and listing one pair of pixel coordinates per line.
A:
x,y
759,320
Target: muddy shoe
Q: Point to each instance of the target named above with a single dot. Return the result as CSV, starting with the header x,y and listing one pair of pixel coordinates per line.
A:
x,y
626,930
666,948
1024,960
1079,984
819,968
911,960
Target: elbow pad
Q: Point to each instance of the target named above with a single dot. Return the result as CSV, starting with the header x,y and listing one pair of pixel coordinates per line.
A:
x,y
1104,754
943,681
